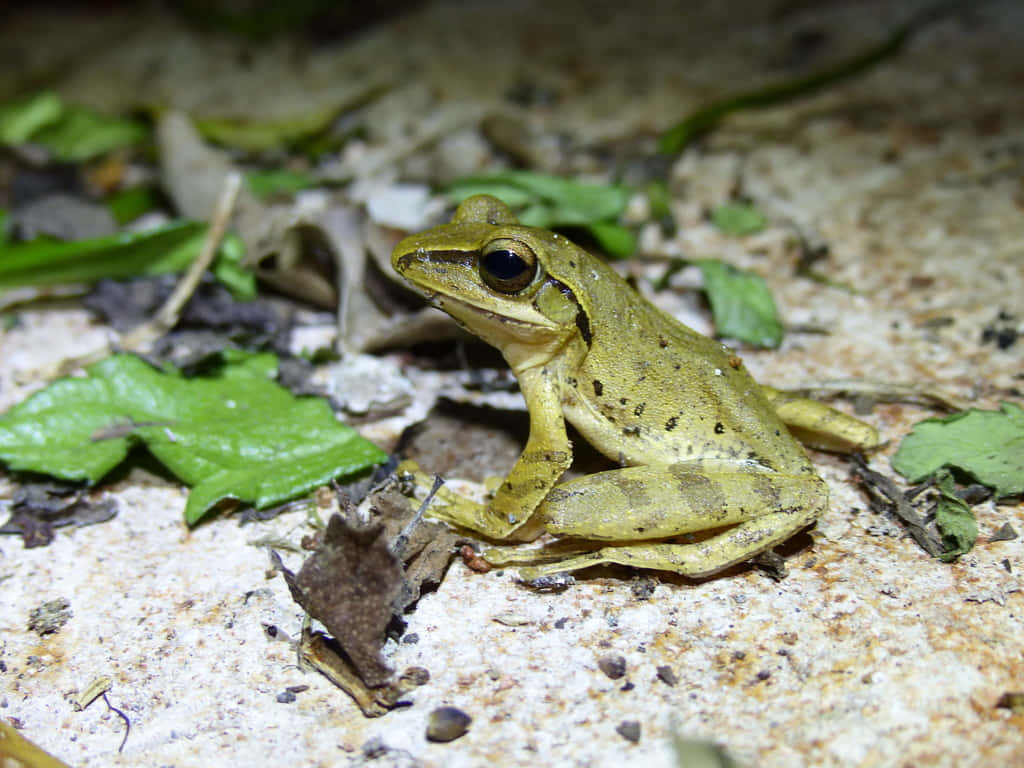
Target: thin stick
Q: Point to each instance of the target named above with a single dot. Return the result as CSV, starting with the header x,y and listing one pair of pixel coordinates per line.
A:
x,y
168,314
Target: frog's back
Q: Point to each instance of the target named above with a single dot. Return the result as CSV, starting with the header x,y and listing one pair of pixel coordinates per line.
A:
x,y
651,390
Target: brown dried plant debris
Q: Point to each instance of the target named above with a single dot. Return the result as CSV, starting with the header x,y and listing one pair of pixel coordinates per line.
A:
x,y
361,577
38,508
350,584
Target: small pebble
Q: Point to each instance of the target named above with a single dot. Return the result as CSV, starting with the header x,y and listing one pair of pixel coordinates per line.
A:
x,y
447,724
667,676
629,730
613,666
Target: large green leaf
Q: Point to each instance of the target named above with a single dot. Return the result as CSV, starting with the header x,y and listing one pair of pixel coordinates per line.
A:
x,y
988,445
166,249
236,434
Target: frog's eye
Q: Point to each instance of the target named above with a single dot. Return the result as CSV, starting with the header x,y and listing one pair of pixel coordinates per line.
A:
x,y
507,266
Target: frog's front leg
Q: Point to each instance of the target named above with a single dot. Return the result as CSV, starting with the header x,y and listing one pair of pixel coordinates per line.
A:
x,y
764,507
542,463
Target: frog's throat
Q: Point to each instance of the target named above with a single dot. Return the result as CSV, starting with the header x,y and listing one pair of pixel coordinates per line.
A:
x,y
522,343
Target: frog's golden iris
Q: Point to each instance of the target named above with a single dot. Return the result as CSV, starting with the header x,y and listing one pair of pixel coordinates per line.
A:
x,y
507,266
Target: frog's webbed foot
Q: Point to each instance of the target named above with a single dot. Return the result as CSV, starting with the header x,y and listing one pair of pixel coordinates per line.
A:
x,y
452,508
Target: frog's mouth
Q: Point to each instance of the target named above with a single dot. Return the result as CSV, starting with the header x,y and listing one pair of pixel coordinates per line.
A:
x,y
471,316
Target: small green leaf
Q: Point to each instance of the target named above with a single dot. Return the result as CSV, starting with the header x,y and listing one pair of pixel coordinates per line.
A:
x,y
511,195
268,183
21,118
82,134
738,219
741,303
129,204
550,201
166,249
954,519
5,227
228,269
236,434
615,240
658,198
258,136
988,445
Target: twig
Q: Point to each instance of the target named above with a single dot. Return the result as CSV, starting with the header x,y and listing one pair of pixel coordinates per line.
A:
x,y
127,722
706,118
402,539
168,314
885,495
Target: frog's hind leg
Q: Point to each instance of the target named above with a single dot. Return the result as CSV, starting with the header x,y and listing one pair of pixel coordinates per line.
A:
x,y
693,560
820,426
628,506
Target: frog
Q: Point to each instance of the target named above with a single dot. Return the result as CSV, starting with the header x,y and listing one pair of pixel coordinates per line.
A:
x,y
709,473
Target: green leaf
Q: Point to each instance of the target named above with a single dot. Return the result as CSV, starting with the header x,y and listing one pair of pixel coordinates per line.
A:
x,y
510,194
257,136
615,240
267,183
954,519
21,118
236,434
987,445
742,305
54,262
228,269
549,201
698,123
166,249
658,198
574,203
129,204
738,219
5,227
82,134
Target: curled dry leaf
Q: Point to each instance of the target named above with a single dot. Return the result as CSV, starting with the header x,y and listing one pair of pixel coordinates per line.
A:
x,y
350,584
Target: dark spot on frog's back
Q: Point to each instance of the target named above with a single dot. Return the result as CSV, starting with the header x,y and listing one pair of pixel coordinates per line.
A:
x,y
671,423
719,428
598,388
639,410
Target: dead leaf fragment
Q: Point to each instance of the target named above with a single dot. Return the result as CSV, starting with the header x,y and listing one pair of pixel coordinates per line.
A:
x,y
48,618
350,584
328,659
38,508
429,548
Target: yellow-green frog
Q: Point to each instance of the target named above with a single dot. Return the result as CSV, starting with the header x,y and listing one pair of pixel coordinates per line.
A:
x,y
702,446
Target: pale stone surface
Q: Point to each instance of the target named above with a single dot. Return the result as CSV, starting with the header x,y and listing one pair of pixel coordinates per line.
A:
x,y
868,654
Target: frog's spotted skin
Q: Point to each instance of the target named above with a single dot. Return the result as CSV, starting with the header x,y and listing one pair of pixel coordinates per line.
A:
x,y
701,443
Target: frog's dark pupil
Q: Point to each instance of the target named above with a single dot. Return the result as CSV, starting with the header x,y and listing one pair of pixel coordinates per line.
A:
x,y
504,264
